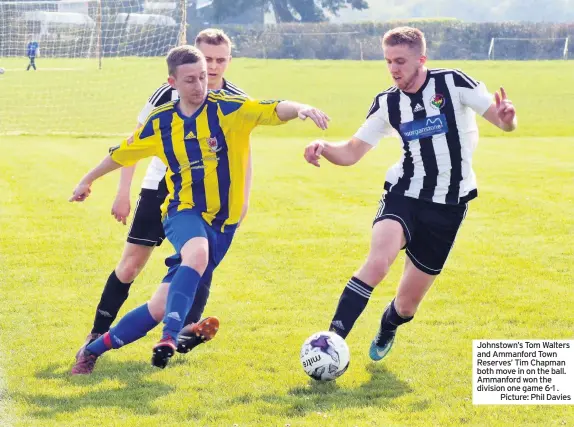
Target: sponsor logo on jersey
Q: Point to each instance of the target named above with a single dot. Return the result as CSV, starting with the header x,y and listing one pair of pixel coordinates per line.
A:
x,y
197,164
424,128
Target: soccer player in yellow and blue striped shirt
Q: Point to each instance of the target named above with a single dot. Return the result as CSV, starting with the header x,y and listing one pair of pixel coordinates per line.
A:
x,y
204,140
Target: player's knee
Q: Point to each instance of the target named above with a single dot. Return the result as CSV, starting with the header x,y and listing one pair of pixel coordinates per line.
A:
x,y
156,309
156,304
198,263
127,271
130,266
196,257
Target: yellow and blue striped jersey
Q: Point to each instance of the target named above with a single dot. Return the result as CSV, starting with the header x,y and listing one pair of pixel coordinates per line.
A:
x,y
206,153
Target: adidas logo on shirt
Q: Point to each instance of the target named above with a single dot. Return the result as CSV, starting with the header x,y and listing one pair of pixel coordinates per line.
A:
x,y
418,108
190,135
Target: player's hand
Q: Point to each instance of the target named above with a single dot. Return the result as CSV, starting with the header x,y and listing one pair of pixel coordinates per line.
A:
x,y
504,107
121,208
81,192
319,118
313,152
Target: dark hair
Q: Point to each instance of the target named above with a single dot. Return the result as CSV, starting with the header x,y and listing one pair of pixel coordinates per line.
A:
x,y
181,55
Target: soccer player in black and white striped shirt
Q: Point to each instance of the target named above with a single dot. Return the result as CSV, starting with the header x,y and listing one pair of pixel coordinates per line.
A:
x,y
433,111
146,231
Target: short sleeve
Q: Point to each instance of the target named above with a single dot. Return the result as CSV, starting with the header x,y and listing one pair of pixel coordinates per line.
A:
x,y
145,112
161,96
376,126
476,97
145,142
260,112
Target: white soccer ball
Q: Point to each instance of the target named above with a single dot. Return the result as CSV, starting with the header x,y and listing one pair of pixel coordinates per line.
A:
x,y
325,356
2,70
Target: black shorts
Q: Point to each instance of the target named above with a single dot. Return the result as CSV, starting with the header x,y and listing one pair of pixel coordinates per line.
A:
x,y
147,228
430,228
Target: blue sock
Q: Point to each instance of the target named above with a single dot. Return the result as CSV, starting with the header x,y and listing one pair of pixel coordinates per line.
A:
x,y
200,299
179,299
133,326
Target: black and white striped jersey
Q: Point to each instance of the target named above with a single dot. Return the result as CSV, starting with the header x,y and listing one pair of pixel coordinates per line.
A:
x,y
164,94
437,126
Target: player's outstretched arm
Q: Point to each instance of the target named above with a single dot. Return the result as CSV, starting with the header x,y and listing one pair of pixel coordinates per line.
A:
x,y
247,189
502,113
342,153
289,110
122,206
82,190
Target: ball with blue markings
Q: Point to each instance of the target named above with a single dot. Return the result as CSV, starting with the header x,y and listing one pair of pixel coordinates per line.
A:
x,y
325,356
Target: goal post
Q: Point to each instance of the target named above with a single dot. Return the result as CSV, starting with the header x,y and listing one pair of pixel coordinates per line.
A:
x,y
93,55
95,29
523,48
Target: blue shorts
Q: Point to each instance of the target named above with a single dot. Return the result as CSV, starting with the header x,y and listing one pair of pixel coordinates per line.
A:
x,y
185,225
430,228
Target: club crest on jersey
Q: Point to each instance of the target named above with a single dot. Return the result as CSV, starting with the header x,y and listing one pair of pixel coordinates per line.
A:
x,y
213,144
437,101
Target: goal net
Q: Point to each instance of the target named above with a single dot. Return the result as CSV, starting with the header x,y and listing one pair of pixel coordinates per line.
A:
x,y
528,48
87,58
91,28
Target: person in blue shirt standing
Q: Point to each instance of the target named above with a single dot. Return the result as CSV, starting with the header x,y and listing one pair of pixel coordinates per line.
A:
x,y
33,50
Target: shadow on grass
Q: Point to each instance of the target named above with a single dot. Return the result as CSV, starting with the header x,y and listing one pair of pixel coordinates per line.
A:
x,y
380,391
134,392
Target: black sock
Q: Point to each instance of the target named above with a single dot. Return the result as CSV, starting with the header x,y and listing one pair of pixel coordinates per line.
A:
x,y
114,295
391,320
353,301
200,300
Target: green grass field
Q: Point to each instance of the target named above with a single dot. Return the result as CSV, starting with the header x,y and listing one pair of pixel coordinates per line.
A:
x,y
510,275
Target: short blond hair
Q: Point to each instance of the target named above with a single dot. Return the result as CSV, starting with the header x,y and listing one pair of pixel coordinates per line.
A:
x,y
409,36
181,55
213,36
